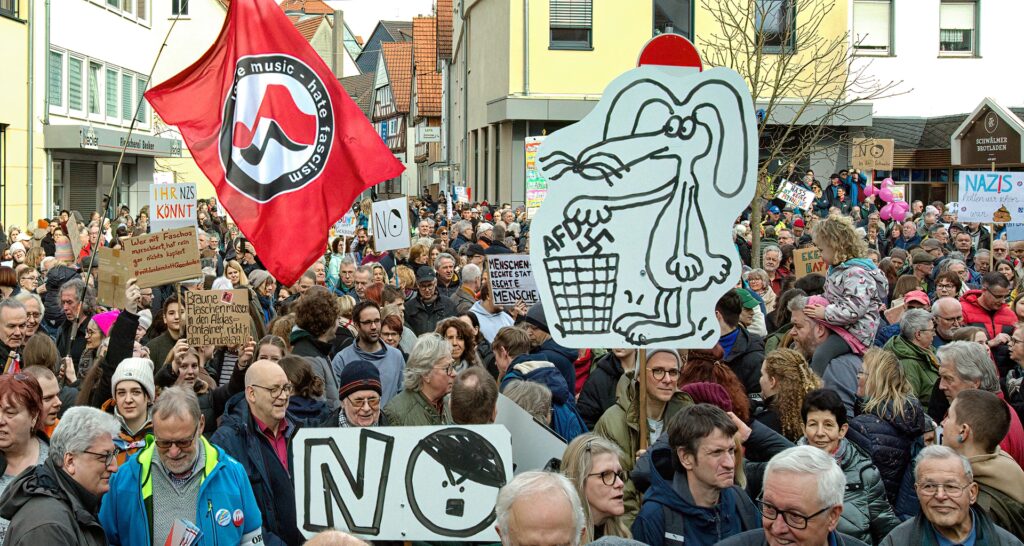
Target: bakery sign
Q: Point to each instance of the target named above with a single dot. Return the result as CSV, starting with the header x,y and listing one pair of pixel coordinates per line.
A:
x,y
990,135
991,197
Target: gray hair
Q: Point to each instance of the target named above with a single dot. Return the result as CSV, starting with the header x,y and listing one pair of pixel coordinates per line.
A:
x,y
797,303
78,429
76,284
177,402
533,484
915,321
347,260
443,256
365,269
809,460
971,363
935,453
463,225
771,248
950,262
11,303
760,274
24,297
471,272
429,348
533,397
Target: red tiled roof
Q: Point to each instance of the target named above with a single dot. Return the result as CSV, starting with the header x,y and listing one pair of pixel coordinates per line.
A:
x,y
308,26
444,29
428,81
398,61
310,7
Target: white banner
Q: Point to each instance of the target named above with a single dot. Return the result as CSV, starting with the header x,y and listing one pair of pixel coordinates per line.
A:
x,y
391,224
346,227
991,197
172,206
512,279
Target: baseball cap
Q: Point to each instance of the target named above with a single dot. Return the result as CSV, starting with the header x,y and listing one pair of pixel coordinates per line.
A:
x,y
773,209
749,301
425,273
916,295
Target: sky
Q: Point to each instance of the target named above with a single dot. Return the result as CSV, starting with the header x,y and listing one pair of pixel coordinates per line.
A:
x,y
362,15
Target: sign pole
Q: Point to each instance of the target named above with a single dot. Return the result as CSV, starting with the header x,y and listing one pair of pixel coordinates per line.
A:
x,y
991,238
641,370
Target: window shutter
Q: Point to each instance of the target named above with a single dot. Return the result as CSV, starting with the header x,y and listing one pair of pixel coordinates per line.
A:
x,y
56,74
83,186
140,90
75,83
94,87
956,16
871,24
111,93
127,108
571,13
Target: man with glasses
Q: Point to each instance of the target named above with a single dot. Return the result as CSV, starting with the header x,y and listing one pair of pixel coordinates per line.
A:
x,y
257,432
12,333
180,475
700,503
368,347
987,309
947,491
360,397
801,503
948,316
57,502
424,310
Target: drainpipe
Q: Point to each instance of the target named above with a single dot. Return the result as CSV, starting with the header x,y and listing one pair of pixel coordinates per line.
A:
x,y
30,85
47,203
526,48
465,91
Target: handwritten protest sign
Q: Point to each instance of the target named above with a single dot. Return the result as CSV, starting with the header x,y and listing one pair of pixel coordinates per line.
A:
x,y
872,154
346,227
512,279
113,274
391,224
427,483
217,317
534,444
163,257
808,260
991,197
172,206
795,195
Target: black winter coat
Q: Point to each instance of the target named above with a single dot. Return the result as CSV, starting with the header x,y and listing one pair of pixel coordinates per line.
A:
x,y
46,506
52,312
745,359
598,393
423,317
889,438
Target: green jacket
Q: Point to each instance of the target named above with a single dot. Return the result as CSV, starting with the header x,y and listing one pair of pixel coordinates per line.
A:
x,y
620,424
774,341
920,365
412,409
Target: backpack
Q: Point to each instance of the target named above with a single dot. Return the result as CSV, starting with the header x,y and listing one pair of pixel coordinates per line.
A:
x,y
1002,510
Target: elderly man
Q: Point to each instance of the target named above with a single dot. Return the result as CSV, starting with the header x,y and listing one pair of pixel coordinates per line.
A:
x,y
948,315
474,398
771,260
987,309
72,336
33,312
346,285
465,296
922,269
360,389
913,347
256,431
13,318
947,490
464,229
57,502
447,279
964,365
180,475
838,368
977,421
361,281
424,310
541,509
801,503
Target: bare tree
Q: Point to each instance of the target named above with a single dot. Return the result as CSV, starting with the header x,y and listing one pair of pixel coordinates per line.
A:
x,y
800,70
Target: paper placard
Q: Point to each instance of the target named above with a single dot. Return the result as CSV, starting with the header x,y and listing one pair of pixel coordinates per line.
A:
x,y
991,197
172,206
536,184
346,227
461,194
795,195
872,154
512,279
217,317
391,224
534,444
112,274
403,476
164,257
808,260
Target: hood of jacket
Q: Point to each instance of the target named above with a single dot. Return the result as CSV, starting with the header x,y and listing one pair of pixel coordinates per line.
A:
x,y
999,471
479,309
59,275
298,336
305,410
545,373
49,481
904,349
550,346
370,357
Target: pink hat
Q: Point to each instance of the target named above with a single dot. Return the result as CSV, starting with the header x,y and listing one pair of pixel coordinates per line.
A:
x,y
916,295
849,338
105,320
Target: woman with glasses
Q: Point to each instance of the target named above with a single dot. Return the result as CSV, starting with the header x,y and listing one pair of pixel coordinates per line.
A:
x,y
594,466
427,378
392,329
22,442
947,285
867,514
28,279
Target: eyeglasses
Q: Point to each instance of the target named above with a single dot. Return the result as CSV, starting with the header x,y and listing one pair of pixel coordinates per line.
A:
x,y
390,334
1013,341
952,491
276,391
608,477
659,373
792,519
373,402
1002,298
180,444
958,318
107,456
448,369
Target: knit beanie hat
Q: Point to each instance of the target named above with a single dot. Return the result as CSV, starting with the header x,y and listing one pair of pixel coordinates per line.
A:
x,y
105,320
139,370
535,316
358,375
64,252
709,393
145,319
673,352
257,278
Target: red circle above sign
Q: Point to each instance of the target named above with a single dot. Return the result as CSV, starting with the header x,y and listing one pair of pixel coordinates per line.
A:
x,y
670,50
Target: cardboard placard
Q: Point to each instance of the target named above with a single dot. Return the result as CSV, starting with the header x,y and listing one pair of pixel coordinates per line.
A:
x,y
217,317
396,483
113,274
346,227
795,195
512,279
534,444
991,197
164,257
172,206
872,154
808,260
391,224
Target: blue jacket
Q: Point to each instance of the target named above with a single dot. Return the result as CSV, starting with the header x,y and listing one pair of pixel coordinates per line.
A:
x,y
565,419
561,357
224,492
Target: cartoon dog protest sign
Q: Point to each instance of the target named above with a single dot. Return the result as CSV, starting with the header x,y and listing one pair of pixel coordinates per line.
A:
x,y
632,245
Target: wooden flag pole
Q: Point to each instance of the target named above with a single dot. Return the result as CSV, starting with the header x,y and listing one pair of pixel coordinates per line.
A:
x,y
641,370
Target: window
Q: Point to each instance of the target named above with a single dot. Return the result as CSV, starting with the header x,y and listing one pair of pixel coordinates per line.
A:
x,y
114,3
571,24
110,92
957,33
673,16
95,69
140,11
75,67
774,22
393,126
140,90
9,8
127,106
872,30
128,6
55,73
179,7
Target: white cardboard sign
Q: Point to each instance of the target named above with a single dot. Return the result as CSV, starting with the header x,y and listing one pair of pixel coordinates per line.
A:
x,y
512,279
172,206
631,246
533,443
402,483
346,227
795,195
391,224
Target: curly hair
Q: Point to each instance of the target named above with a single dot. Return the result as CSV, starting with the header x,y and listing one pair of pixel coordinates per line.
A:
x,y
465,332
406,277
837,232
795,379
885,385
716,371
281,328
300,374
316,311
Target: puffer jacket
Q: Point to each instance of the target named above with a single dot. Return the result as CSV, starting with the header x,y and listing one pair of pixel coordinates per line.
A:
x,y
920,365
598,392
889,439
856,290
53,315
561,357
867,514
46,506
565,419
994,323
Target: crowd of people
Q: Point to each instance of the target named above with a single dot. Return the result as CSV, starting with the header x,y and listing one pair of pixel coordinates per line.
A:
x,y
877,403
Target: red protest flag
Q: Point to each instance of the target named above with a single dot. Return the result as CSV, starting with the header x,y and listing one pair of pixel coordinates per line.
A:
x,y
283,144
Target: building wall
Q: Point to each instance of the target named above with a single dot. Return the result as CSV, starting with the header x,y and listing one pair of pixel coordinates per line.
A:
x,y
488,55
